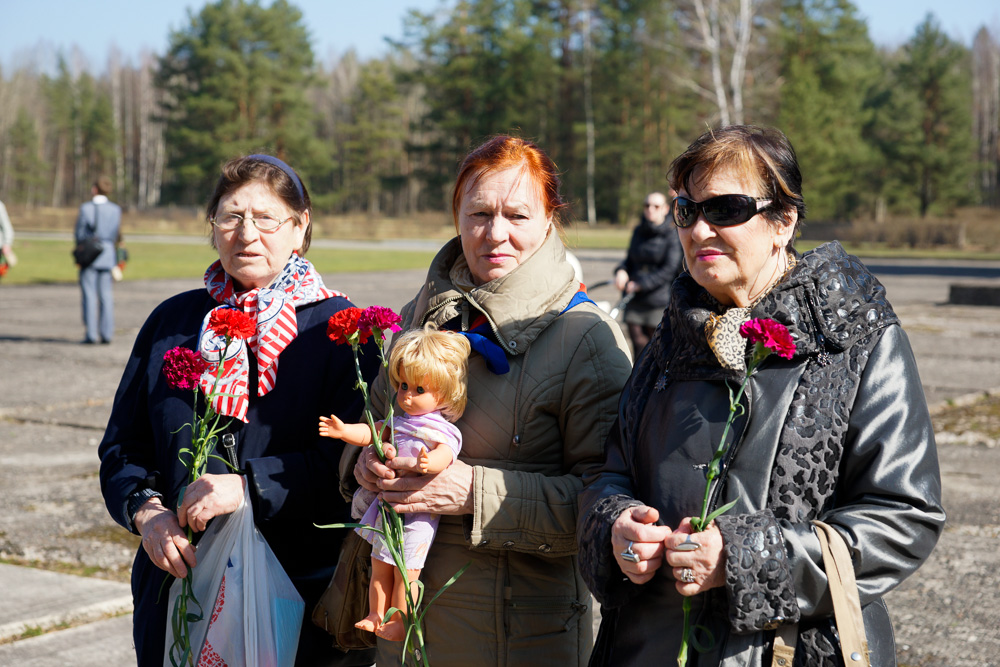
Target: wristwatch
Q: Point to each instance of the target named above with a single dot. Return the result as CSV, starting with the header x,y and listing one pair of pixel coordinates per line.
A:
x,y
137,499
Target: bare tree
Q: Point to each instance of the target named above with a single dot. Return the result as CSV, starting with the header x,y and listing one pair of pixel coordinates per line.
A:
x,y
986,113
721,30
588,106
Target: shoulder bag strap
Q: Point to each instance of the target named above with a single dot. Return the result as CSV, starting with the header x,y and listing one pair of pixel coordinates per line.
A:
x,y
846,600
783,651
93,226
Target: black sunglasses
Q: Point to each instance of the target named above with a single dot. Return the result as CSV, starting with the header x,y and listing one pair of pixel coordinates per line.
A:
x,y
722,211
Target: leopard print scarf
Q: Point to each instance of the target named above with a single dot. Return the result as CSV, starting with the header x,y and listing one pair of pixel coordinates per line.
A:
x,y
723,331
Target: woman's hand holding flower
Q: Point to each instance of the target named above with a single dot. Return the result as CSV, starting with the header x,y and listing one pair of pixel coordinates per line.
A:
x,y
210,496
163,539
368,470
447,492
637,525
707,561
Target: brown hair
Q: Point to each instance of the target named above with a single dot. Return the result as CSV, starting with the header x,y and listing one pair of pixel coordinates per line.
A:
x,y
504,152
762,155
103,185
440,356
250,169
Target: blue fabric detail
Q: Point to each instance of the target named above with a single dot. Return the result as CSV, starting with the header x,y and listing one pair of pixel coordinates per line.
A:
x,y
578,298
496,358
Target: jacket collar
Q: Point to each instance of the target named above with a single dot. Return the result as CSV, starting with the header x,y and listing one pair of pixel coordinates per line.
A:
x,y
828,302
519,305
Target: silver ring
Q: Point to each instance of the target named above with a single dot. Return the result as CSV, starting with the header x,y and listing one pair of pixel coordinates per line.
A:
x,y
687,575
630,555
688,545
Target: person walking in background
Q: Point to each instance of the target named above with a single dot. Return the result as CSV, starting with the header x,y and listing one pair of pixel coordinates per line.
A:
x,y
7,257
653,261
101,218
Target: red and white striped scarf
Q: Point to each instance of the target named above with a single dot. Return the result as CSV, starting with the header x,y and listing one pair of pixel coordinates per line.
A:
x,y
273,308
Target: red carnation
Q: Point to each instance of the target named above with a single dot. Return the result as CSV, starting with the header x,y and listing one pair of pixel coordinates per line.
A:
x,y
183,367
231,323
344,325
378,319
772,334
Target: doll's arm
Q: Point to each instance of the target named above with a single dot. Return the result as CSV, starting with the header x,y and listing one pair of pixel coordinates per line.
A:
x,y
353,434
435,460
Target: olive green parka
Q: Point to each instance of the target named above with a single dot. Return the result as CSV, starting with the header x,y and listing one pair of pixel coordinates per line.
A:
x,y
528,433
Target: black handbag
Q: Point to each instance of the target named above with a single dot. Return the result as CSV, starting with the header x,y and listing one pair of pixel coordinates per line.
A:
x,y
90,248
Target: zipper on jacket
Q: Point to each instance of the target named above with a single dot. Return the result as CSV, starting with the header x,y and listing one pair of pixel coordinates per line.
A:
x,y
468,301
509,348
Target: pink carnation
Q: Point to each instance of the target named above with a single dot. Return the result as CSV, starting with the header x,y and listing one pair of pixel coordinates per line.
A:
x,y
182,368
772,334
378,319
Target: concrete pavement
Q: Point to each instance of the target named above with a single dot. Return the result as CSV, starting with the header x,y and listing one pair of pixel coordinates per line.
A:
x,y
50,506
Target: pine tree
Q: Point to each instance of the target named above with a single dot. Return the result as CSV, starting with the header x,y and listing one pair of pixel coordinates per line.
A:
x,y
935,70
235,81
828,66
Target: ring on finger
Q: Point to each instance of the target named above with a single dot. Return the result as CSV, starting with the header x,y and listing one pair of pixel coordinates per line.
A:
x,y
687,575
630,555
688,545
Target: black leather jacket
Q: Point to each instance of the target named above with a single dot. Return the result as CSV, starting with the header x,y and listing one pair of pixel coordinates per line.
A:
x,y
839,433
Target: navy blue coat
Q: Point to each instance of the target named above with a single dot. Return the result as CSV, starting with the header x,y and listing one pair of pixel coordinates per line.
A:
x,y
291,470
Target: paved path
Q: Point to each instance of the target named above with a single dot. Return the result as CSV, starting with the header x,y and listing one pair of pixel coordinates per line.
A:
x,y
58,394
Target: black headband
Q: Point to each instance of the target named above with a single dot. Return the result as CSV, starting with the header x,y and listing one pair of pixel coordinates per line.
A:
x,y
260,157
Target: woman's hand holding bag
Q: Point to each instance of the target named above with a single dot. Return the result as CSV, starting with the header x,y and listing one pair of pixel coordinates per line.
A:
x,y
251,613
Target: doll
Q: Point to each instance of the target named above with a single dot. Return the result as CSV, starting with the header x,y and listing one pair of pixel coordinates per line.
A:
x,y
427,369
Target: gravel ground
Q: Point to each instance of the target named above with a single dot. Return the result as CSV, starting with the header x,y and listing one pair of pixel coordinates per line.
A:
x,y
58,395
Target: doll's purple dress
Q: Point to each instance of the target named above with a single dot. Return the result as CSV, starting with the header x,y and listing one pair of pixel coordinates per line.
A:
x,y
411,436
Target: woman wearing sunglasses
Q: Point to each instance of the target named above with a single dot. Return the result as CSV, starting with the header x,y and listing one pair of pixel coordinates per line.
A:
x,y
839,432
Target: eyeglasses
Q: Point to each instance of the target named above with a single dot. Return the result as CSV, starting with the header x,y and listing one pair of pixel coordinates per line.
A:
x,y
721,211
228,222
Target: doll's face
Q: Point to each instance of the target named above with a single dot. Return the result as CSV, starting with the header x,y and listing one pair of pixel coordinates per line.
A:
x,y
416,399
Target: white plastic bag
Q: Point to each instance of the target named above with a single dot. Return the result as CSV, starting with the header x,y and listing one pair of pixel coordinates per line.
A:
x,y
252,613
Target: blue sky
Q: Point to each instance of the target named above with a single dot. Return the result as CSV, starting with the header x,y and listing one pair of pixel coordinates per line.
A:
x,y
336,25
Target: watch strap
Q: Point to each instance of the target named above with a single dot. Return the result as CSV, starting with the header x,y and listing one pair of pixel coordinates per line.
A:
x,y
137,499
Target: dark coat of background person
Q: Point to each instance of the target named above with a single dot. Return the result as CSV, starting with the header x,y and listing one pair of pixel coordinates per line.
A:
x,y
653,261
291,472
838,433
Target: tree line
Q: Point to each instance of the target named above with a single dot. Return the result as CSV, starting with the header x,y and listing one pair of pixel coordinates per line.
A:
x,y
611,89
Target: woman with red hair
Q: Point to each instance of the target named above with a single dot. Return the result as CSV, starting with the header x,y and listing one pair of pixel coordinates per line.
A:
x,y
544,378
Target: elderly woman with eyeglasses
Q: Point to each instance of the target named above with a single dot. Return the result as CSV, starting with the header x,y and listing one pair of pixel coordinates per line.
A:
x,y
839,432
279,381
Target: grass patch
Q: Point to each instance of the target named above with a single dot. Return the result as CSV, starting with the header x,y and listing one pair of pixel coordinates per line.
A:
x,y
111,573
36,630
112,534
979,416
45,261
31,631
49,261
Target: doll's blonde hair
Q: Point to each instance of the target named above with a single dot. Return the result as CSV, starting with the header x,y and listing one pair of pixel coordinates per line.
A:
x,y
440,356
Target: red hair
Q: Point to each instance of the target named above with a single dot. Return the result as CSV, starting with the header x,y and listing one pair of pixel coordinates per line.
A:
x,y
505,152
